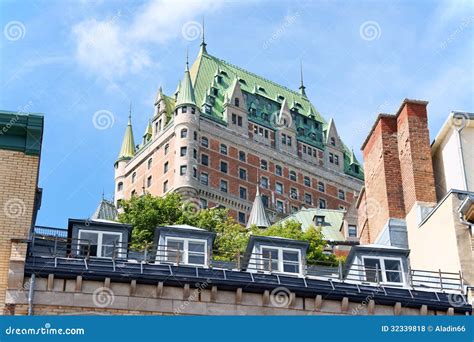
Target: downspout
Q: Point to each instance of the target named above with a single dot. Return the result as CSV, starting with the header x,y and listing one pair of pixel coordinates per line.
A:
x,y
461,157
31,294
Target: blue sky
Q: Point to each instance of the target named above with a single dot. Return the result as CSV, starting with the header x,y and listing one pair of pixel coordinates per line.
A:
x,y
82,62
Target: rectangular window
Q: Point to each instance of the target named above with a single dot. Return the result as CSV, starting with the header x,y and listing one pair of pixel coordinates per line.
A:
x,y
204,178
265,201
195,152
352,231
223,186
148,182
319,220
223,149
294,209
234,119
322,203
150,162
284,260
167,148
242,156
383,270
183,169
183,151
204,142
280,207
288,140
224,167
243,193
165,167
279,188
294,193
239,121
321,187
307,181
336,159
241,217
204,159
243,174
283,139
186,251
264,182
99,244
203,203
165,186
293,175
341,194
263,164
331,158
278,170
308,199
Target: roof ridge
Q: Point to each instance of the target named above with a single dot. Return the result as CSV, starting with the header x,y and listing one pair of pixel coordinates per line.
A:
x,y
294,92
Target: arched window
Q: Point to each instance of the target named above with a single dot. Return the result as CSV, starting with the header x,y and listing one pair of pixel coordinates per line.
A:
x,y
150,162
333,141
120,186
184,133
134,176
237,102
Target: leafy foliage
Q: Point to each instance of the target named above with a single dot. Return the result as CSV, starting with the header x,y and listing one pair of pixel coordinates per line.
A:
x,y
147,212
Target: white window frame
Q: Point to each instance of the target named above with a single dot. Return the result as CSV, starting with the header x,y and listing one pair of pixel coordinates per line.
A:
x,y
185,242
383,270
280,259
100,234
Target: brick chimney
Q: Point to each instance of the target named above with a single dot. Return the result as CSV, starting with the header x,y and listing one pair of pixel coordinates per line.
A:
x,y
414,153
398,168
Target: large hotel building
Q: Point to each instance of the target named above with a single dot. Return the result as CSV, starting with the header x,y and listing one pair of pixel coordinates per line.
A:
x,y
224,131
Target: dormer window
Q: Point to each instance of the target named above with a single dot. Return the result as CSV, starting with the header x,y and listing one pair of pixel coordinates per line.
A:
x,y
283,260
333,141
219,79
215,92
186,251
224,73
207,109
383,270
280,98
99,244
237,102
352,231
319,220
261,89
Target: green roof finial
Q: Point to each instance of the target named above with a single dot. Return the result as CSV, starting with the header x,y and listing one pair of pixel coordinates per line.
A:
x,y
203,41
186,90
127,151
302,87
352,157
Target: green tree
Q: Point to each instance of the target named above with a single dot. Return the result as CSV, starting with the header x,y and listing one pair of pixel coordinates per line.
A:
x,y
291,229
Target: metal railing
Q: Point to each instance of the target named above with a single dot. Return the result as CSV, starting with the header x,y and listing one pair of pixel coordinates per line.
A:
x,y
58,247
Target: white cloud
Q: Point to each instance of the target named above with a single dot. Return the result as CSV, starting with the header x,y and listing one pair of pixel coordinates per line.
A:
x,y
115,47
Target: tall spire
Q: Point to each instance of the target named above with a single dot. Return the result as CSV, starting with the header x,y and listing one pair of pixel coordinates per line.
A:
x,y
128,144
203,41
186,90
258,216
302,87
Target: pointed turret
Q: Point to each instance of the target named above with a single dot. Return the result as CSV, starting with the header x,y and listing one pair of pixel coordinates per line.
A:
x,y
106,210
148,132
258,216
203,41
128,145
186,90
302,88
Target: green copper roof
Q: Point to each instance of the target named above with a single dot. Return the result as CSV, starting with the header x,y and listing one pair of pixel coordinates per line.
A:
x,y
330,229
21,132
148,131
128,145
186,91
207,67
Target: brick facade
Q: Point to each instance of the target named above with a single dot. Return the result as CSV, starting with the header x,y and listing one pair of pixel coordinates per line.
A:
x,y
398,168
19,177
